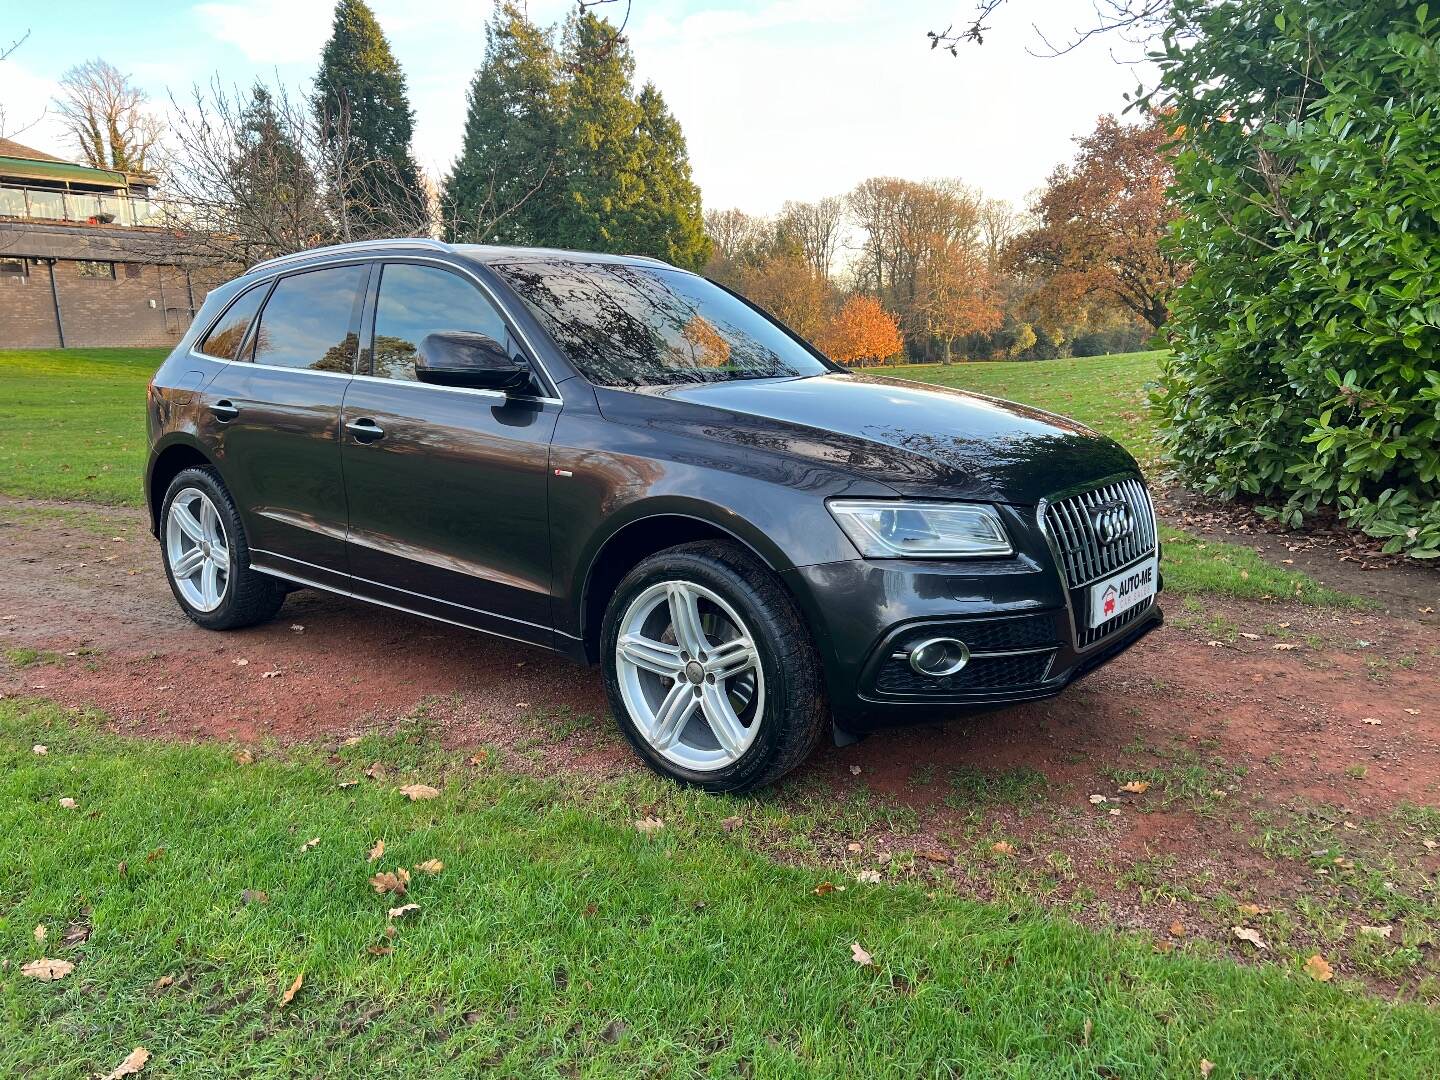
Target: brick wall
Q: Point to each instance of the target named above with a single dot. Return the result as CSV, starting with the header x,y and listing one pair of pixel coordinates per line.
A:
x,y
141,305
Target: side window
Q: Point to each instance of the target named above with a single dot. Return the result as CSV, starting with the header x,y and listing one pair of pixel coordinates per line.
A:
x,y
306,322
223,340
418,300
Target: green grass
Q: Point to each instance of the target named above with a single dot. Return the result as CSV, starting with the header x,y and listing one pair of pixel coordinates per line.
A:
x,y
1193,565
558,940
72,423
1107,393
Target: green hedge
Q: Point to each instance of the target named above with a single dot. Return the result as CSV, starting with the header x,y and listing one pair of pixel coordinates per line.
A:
x,y
1305,338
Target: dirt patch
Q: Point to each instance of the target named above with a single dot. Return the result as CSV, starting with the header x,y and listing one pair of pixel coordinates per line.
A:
x,y
1274,739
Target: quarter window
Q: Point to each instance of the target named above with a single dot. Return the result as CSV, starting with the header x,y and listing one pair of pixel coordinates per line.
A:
x,y
225,337
306,322
418,300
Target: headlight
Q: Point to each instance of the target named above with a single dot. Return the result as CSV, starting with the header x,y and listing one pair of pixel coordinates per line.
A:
x,y
884,529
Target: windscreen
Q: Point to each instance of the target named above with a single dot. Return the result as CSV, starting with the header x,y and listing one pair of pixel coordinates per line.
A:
x,y
628,325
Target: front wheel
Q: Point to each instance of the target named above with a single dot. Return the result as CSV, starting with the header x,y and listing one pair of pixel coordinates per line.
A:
x,y
710,669
207,559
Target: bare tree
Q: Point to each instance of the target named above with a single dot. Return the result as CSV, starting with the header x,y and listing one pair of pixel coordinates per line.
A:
x,y
104,115
5,130
1135,20
999,224
817,227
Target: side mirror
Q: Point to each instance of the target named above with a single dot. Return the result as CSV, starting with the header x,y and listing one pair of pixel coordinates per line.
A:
x,y
458,358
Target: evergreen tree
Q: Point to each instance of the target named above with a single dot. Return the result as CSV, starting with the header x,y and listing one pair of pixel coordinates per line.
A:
x,y
668,222
509,172
365,117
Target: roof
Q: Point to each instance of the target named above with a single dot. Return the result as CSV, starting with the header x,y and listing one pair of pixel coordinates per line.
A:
x,y
21,162
12,149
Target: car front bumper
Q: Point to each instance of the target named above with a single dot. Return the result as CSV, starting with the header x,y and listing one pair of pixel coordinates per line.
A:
x,y
1014,615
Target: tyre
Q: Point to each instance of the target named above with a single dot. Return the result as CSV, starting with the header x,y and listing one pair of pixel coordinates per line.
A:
x,y
710,669
206,558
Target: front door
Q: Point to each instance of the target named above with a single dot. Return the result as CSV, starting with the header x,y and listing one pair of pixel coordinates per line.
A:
x,y
447,487
277,412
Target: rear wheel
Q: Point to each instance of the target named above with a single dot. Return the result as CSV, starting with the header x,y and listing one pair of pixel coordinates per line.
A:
x,y
710,669
206,558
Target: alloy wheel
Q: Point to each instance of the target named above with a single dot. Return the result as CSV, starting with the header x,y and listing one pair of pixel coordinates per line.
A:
x,y
197,549
690,675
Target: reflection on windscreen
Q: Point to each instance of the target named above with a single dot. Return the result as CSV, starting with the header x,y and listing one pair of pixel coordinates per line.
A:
x,y
627,325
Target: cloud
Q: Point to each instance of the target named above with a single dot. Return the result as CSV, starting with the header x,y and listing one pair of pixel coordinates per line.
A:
x,y
270,31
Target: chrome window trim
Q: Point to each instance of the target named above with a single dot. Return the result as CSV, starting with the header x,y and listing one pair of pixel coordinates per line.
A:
x,y
1058,565
553,398
354,246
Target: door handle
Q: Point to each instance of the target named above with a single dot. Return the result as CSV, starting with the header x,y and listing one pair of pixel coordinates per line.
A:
x,y
224,410
365,430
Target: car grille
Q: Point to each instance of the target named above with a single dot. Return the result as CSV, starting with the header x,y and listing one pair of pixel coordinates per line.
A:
x,y
1085,558
981,673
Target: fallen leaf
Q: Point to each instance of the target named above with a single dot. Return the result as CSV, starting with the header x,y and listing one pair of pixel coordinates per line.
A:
x,y
133,1063
376,770
1429,844
376,851
347,784
39,750
308,844
475,759
860,956
77,933
934,855
1244,933
163,981
47,970
1319,969
431,867
869,877
68,803
1376,931
270,674
852,847
297,628
1217,644
825,888
1253,909
289,995
649,825
1136,787
1177,929
156,855
1163,946
1206,1067
39,931
1115,812
254,896
1370,720
730,824
1249,637
1096,800
402,911
1284,646
1003,847
388,882
418,792
854,770
1413,712
241,662
379,950
243,757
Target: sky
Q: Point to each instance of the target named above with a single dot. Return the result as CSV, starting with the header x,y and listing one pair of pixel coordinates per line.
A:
x,y
787,99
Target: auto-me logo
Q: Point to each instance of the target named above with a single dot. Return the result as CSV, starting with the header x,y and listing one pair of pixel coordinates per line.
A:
x,y
1112,523
1107,601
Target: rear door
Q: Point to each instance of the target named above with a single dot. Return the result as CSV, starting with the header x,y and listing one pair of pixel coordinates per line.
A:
x,y
277,416
447,487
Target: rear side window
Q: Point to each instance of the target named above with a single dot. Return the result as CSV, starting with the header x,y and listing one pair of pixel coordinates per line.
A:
x,y
418,300
224,339
307,321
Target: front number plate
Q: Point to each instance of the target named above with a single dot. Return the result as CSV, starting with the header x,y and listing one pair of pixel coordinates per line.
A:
x,y
1127,589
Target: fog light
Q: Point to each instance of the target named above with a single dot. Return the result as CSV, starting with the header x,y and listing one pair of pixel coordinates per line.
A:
x,y
938,657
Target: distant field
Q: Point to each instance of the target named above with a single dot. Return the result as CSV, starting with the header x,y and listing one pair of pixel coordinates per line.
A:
x,y
72,422
1106,393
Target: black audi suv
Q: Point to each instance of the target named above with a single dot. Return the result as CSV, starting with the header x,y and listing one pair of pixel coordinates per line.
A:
x,y
627,464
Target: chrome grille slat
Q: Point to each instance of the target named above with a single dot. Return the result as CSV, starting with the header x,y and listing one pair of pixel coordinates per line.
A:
x,y
1084,560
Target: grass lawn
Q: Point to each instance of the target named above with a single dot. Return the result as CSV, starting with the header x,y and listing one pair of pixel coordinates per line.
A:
x,y
559,940
72,423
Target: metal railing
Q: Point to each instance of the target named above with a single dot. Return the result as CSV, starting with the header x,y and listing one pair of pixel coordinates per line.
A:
x,y
88,207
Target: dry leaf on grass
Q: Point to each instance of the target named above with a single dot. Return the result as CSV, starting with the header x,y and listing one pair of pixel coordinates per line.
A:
x,y
387,882
1164,946
402,911
418,792
1177,929
1003,847
289,995
1136,787
133,1063
344,784
934,855
1248,636
376,851
860,956
1096,800
39,750
1370,720
39,931
1284,646
1319,969
869,877
242,662
308,844
1413,712
254,896
297,627
854,770
649,825
430,866
163,981
243,757
77,933
1206,1067
1244,933
1376,931
47,970
68,804
730,824
376,770
1253,909
825,888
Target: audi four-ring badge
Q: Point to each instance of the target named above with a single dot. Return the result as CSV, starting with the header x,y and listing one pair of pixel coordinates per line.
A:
x,y
626,464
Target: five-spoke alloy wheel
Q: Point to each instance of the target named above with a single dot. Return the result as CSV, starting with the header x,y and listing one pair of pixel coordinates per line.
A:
x,y
196,549
710,669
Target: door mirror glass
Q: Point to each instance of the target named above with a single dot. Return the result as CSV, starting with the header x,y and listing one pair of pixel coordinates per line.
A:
x,y
461,358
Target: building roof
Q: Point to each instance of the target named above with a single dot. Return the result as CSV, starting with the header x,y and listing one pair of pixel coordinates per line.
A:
x,y
12,149
20,162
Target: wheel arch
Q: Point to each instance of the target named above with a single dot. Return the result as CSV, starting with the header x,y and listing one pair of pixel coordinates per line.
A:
x,y
168,463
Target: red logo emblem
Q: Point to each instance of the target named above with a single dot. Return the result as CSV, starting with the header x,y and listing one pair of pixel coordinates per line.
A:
x,y
1109,600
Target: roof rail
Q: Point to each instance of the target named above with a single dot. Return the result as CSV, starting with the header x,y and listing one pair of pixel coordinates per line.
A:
x,y
356,245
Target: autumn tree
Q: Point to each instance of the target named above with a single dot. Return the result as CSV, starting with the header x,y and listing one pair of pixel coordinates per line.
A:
x,y
786,285
862,331
104,115
954,295
1101,219
817,228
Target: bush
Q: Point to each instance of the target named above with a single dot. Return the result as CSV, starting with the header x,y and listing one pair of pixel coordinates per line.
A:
x,y
1305,338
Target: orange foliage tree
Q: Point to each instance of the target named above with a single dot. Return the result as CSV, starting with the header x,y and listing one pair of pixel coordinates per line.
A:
x,y
862,331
